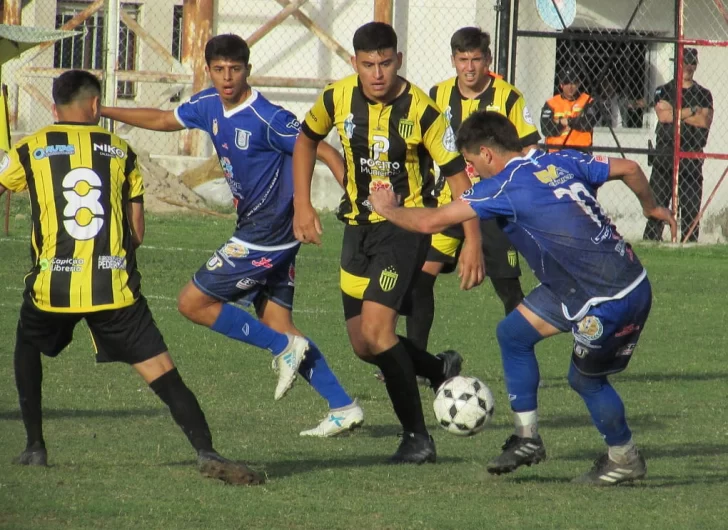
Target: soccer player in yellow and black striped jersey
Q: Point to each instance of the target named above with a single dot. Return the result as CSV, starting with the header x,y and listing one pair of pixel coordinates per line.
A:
x,y
87,217
389,130
473,88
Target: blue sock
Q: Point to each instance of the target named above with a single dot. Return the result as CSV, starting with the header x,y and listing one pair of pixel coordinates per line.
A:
x,y
318,374
517,338
238,324
604,404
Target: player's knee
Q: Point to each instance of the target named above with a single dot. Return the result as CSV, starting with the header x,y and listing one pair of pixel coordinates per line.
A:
x,y
583,384
516,330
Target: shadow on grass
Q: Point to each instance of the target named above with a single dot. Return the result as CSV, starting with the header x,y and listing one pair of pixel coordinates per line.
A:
x,y
685,450
54,414
628,377
568,421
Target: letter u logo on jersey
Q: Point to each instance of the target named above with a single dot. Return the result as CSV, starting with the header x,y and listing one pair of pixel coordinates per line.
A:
x,y
83,211
242,139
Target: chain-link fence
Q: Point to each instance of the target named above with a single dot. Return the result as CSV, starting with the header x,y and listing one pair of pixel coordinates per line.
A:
x,y
150,55
618,61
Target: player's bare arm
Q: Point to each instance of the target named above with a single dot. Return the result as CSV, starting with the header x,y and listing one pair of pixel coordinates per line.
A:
x,y
306,222
135,211
471,264
333,160
629,172
423,220
146,118
698,117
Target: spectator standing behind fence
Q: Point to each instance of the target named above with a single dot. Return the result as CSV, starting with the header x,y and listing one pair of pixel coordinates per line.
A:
x,y
569,117
696,116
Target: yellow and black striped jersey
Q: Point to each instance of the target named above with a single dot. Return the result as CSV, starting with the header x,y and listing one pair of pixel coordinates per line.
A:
x,y
385,145
500,97
80,179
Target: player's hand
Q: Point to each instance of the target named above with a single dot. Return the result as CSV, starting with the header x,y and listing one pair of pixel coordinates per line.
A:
x,y
383,200
660,213
306,224
471,265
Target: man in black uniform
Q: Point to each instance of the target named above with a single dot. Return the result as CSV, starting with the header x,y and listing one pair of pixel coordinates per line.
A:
x,y
696,117
87,212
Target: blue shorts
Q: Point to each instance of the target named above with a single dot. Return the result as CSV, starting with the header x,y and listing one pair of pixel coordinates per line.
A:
x,y
606,337
240,272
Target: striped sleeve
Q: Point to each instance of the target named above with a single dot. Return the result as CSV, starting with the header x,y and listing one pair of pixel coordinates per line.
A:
x,y
320,119
12,172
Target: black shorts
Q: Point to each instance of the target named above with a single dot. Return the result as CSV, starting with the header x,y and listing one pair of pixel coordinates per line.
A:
x,y
379,262
127,335
501,258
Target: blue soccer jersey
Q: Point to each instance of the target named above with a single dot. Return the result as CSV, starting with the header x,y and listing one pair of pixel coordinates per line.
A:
x,y
546,204
254,142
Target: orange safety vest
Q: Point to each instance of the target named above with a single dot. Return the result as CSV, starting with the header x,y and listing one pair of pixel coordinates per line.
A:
x,y
564,108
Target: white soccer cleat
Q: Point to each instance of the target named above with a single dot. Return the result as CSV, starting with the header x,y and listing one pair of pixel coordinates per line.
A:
x,y
287,362
338,421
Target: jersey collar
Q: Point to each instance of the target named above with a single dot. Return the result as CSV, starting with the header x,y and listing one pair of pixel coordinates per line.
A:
x,y
372,102
244,105
485,95
528,157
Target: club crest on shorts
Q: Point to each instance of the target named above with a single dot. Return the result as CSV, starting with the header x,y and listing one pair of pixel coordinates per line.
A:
x,y
512,258
590,328
405,128
388,279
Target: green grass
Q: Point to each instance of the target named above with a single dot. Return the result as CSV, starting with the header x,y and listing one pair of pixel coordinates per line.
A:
x,y
118,460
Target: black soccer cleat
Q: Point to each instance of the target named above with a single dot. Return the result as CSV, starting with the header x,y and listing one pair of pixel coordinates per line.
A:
x,y
213,465
607,472
452,364
414,449
517,452
33,456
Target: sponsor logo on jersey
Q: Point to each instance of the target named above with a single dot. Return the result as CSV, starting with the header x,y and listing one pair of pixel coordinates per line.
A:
x,y
376,185
266,263
246,283
242,139
116,263
601,158
53,150
109,150
215,127
405,128
349,126
553,176
627,330
388,279
375,165
62,265
604,234
4,163
448,114
527,116
293,124
590,328
448,140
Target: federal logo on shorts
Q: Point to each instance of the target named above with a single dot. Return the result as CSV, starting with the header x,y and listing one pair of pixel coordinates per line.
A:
x,y
246,283
242,139
388,279
215,128
234,250
626,350
405,128
580,351
590,328
512,258
213,263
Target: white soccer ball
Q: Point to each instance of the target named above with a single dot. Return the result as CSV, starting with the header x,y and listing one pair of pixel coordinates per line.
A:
x,y
463,405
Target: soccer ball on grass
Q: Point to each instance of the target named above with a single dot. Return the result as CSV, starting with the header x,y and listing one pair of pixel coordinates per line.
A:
x,y
463,405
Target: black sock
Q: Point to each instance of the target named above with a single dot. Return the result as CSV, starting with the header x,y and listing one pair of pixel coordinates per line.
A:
x,y
509,291
28,380
185,409
401,383
419,323
425,364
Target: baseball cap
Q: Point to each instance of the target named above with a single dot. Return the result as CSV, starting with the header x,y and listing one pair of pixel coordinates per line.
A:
x,y
568,76
690,56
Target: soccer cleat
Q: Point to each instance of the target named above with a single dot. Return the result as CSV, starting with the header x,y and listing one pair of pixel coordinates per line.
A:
x,y
414,449
33,456
213,465
287,362
338,421
607,472
452,363
517,452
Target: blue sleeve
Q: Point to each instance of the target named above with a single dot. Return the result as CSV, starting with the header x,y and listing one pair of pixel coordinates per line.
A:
x,y
191,114
595,169
283,130
489,199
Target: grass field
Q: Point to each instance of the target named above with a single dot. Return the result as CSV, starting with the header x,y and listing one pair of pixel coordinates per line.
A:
x,y
118,461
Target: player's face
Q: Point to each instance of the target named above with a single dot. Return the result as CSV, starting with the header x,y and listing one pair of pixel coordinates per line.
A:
x,y
471,68
378,73
569,90
230,79
483,161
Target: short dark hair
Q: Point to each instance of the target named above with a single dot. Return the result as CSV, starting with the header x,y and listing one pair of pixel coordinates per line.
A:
x,y
470,39
227,46
375,36
489,129
75,85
